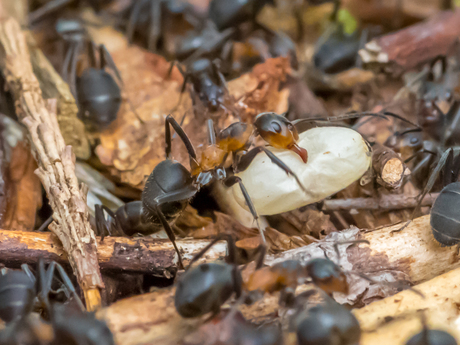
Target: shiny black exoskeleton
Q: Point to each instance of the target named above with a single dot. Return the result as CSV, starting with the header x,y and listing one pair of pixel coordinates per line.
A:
x,y
17,294
328,324
432,337
97,92
230,13
206,287
208,83
79,328
21,292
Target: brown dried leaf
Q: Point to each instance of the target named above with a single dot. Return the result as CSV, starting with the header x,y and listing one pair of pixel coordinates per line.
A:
x,y
259,91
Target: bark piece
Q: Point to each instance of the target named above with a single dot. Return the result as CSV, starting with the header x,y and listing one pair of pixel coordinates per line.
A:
x,y
53,87
395,319
417,44
143,255
56,161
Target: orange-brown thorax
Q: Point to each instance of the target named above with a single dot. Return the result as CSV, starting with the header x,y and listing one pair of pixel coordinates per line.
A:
x,y
275,278
211,157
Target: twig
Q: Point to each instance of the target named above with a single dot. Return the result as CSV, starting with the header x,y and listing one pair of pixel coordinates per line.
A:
x,y
56,162
385,202
142,255
388,166
52,85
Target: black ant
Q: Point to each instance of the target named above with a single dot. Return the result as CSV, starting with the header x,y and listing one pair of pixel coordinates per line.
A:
x,y
206,287
171,186
97,92
18,293
207,82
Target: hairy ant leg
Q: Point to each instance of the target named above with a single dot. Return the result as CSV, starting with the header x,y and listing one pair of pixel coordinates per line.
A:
x,y
229,182
245,160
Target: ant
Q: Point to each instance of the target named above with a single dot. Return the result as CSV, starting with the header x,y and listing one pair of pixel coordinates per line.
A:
x,y
170,186
207,82
206,287
18,290
98,94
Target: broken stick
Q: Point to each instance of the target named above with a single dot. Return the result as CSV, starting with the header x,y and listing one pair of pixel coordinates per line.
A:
x,y
56,162
136,255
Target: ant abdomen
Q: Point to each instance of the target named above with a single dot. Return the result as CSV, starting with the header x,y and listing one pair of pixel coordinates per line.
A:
x,y
99,97
445,222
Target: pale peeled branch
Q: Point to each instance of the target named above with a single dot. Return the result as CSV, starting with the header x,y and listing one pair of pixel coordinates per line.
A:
x,y
337,156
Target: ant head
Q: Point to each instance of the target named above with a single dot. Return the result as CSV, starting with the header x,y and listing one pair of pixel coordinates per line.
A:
x,y
327,276
235,137
280,133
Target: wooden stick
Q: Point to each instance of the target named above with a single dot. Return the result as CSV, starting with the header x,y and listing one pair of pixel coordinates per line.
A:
x,y
56,162
417,44
384,202
141,255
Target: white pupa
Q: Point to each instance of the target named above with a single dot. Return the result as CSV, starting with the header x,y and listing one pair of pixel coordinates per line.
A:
x,y
337,156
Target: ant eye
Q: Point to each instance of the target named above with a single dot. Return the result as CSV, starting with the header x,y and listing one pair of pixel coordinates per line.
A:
x,y
414,140
276,127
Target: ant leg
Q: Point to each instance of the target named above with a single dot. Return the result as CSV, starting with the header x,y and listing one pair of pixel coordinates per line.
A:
x,y
106,60
335,11
447,155
217,68
155,25
170,121
336,247
73,68
231,247
29,273
133,18
211,133
235,179
44,286
454,112
45,224
66,64
68,284
170,233
92,54
247,159
102,225
47,9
